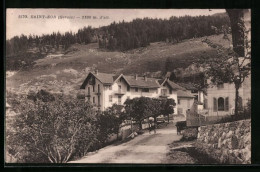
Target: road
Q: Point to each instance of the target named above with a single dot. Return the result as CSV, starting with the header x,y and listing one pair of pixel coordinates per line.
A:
x,y
145,148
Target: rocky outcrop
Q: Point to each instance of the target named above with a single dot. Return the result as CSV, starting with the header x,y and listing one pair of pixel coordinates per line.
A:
x,y
229,143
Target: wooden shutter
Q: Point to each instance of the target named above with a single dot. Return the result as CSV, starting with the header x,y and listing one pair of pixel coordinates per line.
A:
x,y
226,104
215,105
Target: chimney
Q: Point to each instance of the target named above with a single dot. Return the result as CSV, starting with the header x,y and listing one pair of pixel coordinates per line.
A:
x,y
96,72
135,76
145,78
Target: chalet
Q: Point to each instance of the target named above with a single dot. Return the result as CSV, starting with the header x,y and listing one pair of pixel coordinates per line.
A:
x,y
104,90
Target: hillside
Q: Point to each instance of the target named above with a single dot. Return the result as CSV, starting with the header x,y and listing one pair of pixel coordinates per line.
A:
x,y
65,72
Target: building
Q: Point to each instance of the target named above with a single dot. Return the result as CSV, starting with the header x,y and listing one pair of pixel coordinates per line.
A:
x,y
195,91
104,90
221,98
185,101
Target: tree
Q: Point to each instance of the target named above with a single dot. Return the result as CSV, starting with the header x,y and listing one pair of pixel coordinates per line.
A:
x,y
53,131
228,66
109,122
168,107
237,27
139,109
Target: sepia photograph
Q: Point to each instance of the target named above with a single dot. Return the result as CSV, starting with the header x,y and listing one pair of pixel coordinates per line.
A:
x,y
127,86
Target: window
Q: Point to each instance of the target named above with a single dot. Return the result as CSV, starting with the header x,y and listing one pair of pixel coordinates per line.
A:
x,y
98,88
145,90
128,88
99,100
179,101
88,90
94,100
119,88
226,104
93,88
136,89
215,105
220,104
110,98
119,100
205,104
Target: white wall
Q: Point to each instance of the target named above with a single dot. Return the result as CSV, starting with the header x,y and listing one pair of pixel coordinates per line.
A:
x,y
228,91
93,94
185,104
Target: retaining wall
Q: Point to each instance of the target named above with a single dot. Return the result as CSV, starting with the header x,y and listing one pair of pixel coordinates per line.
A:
x,y
229,143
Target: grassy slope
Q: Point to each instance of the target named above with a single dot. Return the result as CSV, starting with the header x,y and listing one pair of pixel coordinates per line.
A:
x,y
66,73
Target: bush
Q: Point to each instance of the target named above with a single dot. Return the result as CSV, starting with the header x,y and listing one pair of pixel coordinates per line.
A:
x,y
52,131
189,134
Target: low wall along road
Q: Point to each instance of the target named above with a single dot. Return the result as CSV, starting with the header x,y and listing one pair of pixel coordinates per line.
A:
x,y
228,143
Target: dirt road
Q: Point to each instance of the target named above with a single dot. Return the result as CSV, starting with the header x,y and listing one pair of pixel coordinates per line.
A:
x,y
145,148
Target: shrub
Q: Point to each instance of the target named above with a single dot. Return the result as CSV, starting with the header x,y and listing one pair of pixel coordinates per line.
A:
x,y
52,131
189,134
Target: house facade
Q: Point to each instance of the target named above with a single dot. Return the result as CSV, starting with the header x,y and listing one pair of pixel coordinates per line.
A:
x,y
193,90
103,90
221,98
185,101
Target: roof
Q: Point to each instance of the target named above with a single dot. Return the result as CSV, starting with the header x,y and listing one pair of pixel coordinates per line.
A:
x,y
184,94
105,78
188,86
141,82
171,84
175,86
109,79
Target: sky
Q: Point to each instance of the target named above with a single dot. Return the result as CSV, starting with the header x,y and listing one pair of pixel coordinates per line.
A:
x,y
17,24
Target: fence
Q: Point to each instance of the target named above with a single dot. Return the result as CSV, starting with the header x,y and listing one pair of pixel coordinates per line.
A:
x,y
207,117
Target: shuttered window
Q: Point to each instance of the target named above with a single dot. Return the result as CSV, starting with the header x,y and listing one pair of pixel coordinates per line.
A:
x,y
215,105
226,104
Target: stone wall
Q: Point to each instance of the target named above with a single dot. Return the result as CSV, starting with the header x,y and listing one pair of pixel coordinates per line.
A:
x,y
229,143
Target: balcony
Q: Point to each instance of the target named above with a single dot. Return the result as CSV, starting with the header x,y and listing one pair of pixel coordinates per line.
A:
x,y
120,92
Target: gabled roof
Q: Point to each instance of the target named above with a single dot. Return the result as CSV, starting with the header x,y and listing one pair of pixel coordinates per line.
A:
x,y
173,85
188,86
104,78
109,79
184,94
141,82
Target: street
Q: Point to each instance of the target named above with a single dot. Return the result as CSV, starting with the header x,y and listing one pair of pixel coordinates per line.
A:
x,y
145,148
